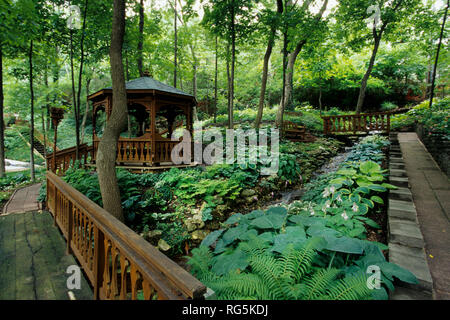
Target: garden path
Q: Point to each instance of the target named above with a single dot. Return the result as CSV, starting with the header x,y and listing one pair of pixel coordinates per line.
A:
x,y
430,189
23,200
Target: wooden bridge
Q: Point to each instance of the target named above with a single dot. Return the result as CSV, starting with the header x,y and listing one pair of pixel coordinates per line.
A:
x,y
362,123
118,263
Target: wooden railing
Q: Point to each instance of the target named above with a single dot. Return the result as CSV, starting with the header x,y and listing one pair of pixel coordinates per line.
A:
x,y
118,263
64,158
139,151
355,123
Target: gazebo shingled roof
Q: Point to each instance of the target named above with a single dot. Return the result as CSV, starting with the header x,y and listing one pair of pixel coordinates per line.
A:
x,y
148,83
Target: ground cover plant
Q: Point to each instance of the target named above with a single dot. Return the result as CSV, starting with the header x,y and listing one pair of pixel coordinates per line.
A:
x,y
316,248
435,120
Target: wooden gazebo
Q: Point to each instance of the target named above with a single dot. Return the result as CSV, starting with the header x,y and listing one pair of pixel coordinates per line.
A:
x,y
155,111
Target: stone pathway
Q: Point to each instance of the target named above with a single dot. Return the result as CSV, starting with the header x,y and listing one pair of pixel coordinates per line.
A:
x,y
23,200
430,192
33,262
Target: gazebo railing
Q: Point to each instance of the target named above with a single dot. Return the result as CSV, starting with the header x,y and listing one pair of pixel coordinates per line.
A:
x,y
118,262
140,151
363,122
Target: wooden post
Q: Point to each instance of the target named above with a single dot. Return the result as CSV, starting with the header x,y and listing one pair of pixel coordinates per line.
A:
x,y
69,228
153,130
99,261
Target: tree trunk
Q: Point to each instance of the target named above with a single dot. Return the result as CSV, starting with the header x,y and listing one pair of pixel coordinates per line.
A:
x,y
30,57
228,86
437,56
86,111
141,39
107,149
175,46
74,97
362,90
233,61
270,44
215,85
2,122
292,56
80,77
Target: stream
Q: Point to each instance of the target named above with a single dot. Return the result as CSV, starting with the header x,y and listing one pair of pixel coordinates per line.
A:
x,y
291,195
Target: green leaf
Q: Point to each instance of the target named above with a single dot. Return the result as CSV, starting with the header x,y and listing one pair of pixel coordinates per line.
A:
x,y
391,269
369,167
345,244
212,237
389,186
377,187
273,221
229,261
233,233
377,199
234,219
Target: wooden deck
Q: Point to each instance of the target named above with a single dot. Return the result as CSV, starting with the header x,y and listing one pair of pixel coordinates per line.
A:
x,y
33,262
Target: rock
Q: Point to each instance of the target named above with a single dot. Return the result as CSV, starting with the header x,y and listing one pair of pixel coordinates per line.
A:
x,y
251,199
163,245
247,193
220,209
154,234
190,224
199,235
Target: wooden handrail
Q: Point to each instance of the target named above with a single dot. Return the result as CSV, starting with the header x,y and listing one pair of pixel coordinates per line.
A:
x,y
65,157
104,246
363,122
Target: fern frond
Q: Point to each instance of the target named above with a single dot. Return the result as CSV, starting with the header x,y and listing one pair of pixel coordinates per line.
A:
x,y
200,262
318,283
350,288
239,286
268,268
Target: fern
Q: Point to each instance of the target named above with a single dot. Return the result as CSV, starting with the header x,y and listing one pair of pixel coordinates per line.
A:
x,y
350,288
318,282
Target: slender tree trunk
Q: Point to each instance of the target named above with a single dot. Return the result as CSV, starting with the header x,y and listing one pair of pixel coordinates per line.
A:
x,y
288,81
44,131
175,46
233,61
74,97
362,90
141,39
30,57
228,84
107,150
215,84
86,111
80,72
2,121
437,56
266,67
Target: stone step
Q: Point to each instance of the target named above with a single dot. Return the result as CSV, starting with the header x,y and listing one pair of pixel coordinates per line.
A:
x,y
401,182
397,173
402,293
395,159
397,165
402,210
414,260
401,194
405,232
395,154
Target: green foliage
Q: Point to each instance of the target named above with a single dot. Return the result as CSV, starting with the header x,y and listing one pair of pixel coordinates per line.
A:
x,y
435,120
278,255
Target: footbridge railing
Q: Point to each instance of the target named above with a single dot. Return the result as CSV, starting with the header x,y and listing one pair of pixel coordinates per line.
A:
x,y
118,262
62,160
357,123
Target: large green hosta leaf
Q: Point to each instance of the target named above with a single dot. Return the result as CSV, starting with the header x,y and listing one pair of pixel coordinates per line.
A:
x,y
230,261
369,167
